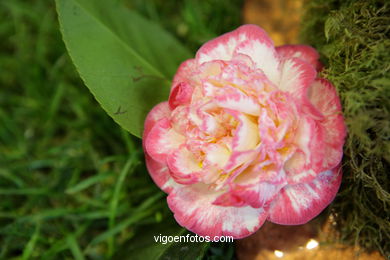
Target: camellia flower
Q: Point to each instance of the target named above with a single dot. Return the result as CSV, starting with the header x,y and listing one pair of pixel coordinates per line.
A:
x,y
249,134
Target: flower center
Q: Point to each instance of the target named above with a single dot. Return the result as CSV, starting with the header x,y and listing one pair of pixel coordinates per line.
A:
x,y
233,118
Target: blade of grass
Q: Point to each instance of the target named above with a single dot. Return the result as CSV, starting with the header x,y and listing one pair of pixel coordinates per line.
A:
x,y
26,191
28,250
11,177
74,247
115,200
61,244
141,212
87,183
107,235
48,214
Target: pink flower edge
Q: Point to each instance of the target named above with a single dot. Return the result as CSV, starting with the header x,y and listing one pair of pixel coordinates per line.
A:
x,y
289,186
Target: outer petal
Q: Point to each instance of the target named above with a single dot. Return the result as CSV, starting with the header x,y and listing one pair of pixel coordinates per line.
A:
x,y
306,163
262,171
194,210
263,54
160,174
184,72
158,112
180,94
324,97
158,171
223,47
256,196
161,140
297,76
304,52
297,204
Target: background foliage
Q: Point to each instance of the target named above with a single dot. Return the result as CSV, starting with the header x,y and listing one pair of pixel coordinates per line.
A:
x,y
73,185
353,38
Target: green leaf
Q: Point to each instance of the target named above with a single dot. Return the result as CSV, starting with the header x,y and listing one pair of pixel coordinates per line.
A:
x,y
144,245
126,61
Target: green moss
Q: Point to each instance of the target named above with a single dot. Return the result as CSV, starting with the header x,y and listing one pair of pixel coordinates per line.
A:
x,y
353,39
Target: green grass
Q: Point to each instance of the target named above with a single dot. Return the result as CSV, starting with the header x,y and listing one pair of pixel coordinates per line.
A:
x,y
73,185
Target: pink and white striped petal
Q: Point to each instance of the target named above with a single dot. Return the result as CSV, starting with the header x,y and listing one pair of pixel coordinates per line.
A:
x,y
239,158
263,55
257,196
209,124
299,203
304,52
223,47
265,171
162,140
298,169
324,97
216,154
158,112
243,59
180,95
184,72
234,99
267,166
160,174
193,209
306,163
185,168
179,119
297,75
246,135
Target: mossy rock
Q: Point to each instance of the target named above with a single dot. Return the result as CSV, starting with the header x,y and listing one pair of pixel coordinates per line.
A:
x,y
353,39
